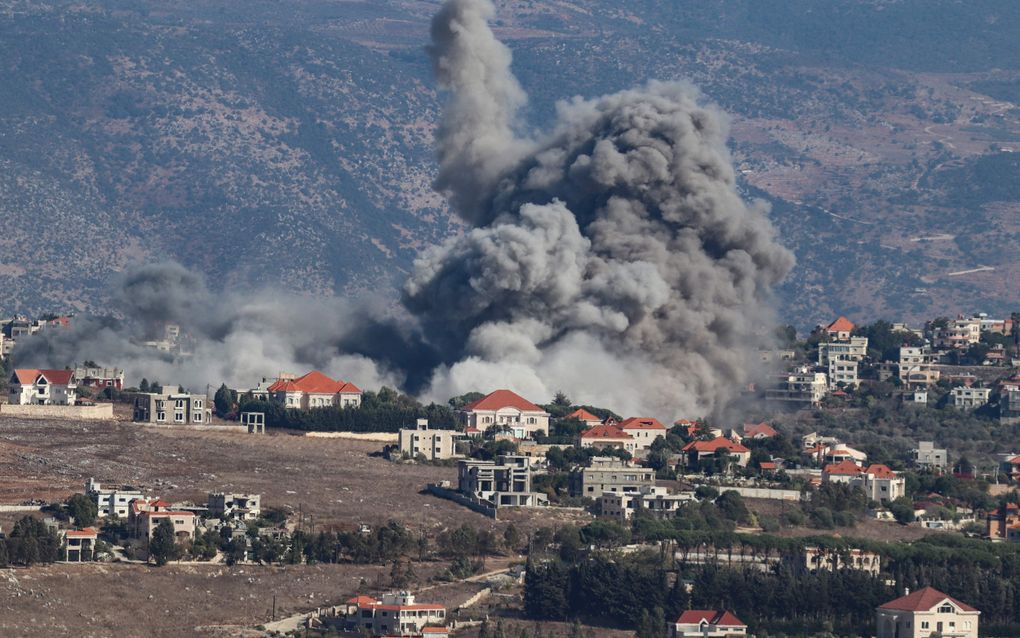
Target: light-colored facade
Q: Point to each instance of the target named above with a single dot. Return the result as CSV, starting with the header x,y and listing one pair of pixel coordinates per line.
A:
x,y
917,397
505,482
608,474
29,386
246,507
395,614
842,373
144,516
695,451
179,409
959,333
969,398
99,378
112,502
314,390
853,349
80,545
643,430
604,435
824,559
508,411
803,386
840,329
925,613
927,456
878,482
656,501
434,445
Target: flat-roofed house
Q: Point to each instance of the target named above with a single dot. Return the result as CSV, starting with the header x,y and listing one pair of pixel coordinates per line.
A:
x,y
395,614
434,445
80,545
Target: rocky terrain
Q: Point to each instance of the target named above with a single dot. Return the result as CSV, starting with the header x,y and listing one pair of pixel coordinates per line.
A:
x,y
292,148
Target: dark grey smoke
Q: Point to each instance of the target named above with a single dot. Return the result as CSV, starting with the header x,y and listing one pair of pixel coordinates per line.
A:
x,y
612,258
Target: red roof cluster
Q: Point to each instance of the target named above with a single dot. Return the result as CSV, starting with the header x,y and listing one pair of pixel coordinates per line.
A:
x,y
709,447
923,600
641,423
27,376
503,399
314,383
604,431
719,618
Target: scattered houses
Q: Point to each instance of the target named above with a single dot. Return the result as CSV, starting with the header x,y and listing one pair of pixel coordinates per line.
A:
x,y
314,390
80,545
144,516
926,612
99,378
829,559
508,411
969,398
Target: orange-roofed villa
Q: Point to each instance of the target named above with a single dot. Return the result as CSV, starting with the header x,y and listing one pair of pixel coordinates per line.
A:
x,y
395,614
508,411
314,390
706,623
926,612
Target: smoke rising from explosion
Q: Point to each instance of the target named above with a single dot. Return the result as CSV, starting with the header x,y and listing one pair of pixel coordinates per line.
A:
x,y
612,258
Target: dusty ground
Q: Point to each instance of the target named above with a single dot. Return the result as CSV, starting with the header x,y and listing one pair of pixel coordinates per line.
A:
x,y
330,482
867,528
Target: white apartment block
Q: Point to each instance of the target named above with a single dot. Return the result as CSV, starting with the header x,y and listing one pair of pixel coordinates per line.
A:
x,y
656,501
855,349
842,373
969,398
803,385
927,456
112,502
434,445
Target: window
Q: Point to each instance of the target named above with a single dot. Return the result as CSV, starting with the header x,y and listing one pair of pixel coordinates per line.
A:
x,y
924,624
197,417
178,417
198,405
161,416
947,609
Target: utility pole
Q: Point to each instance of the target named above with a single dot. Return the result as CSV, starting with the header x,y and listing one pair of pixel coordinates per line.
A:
x,y
274,607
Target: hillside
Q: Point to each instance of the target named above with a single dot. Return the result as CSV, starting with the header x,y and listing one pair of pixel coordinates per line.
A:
x,y
292,146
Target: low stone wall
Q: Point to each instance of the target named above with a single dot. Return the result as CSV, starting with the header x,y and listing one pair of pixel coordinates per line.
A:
x,y
226,429
382,437
459,498
20,508
100,411
762,492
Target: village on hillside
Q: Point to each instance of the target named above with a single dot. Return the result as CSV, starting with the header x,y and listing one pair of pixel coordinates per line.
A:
x,y
866,450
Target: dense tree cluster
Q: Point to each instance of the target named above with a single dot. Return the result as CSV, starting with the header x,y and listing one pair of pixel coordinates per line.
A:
x,y
29,542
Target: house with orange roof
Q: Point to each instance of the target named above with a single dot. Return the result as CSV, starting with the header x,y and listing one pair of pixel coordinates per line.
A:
x,y
31,386
878,481
395,614
707,623
144,516
508,411
314,390
926,612
759,431
840,329
585,417
80,545
697,450
607,436
644,430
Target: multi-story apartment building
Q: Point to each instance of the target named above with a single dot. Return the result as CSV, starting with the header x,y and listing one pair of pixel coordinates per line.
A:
x,y
112,502
246,507
144,516
969,398
506,410
803,385
186,409
853,349
505,482
608,474
929,457
434,445
99,377
842,373
28,386
656,501
958,333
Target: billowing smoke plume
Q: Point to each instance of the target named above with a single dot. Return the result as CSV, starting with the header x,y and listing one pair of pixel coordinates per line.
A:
x,y
612,258
236,339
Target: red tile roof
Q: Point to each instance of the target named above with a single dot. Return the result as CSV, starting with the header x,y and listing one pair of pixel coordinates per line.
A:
x,y
314,383
709,447
845,467
582,415
880,471
711,616
923,600
88,532
767,465
503,399
362,600
841,325
763,430
641,423
27,376
435,630
603,431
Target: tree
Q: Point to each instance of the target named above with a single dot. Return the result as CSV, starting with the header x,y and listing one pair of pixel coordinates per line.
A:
x,y
83,510
223,400
561,399
511,537
163,546
144,385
